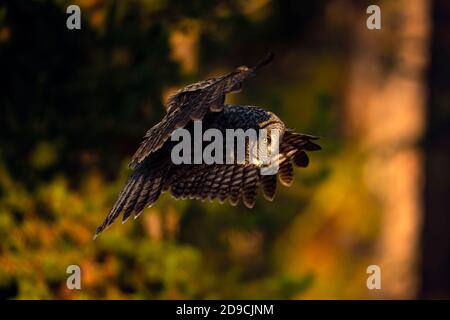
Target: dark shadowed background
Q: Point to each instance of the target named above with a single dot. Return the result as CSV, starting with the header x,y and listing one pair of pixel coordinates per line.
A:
x,y
76,103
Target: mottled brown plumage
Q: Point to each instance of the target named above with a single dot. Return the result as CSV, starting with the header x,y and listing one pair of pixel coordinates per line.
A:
x,y
155,173
192,103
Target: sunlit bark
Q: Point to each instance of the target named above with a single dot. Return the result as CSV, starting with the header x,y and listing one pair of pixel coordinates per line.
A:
x,y
385,115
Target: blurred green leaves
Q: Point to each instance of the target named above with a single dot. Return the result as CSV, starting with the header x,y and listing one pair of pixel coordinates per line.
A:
x,y
43,155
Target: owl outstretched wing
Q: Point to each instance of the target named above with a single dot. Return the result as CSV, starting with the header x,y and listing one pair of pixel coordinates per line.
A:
x,y
192,103
241,181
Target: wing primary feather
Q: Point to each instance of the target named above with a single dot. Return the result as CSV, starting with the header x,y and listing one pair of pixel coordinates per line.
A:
x,y
286,173
269,186
236,184
225,185
143,197
117,208
250,183
301,159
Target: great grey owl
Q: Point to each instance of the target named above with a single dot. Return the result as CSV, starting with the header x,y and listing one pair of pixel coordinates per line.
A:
x,y
155,172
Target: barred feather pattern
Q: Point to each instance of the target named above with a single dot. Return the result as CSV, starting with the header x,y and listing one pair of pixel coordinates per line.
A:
x,y
154,172
241,182
142,188
193,102
233,182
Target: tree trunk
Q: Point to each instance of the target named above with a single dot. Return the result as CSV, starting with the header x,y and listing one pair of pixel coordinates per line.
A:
x,y
385,115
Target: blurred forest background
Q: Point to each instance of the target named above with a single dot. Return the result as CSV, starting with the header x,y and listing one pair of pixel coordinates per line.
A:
x,y
75,104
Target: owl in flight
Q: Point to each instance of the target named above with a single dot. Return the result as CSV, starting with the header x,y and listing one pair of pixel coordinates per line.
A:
x,y
154,171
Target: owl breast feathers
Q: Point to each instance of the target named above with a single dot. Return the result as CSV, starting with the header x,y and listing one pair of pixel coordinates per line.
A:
x,y
155,171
